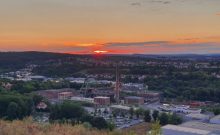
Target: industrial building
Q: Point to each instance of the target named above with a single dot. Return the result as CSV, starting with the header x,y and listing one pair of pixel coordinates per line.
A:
x,y
53,93
150,96
215,120
120,108
178,130
197,117
65,95
192,128
134,100
201,125
180,109
102,100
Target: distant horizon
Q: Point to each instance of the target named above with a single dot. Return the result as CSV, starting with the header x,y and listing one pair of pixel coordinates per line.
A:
x,y
33,51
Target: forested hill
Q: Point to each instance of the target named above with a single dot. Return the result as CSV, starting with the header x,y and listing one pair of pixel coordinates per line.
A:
x,y
194,77
17,60
51,64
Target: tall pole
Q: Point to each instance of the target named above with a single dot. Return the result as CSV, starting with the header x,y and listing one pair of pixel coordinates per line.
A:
x,y
117,85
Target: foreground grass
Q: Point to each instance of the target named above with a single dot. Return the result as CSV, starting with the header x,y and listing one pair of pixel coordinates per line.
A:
x,y
28,127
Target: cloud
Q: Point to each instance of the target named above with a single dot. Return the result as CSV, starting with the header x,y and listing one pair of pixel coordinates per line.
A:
x,y
120,44
163,47
151,1
160,1
136,4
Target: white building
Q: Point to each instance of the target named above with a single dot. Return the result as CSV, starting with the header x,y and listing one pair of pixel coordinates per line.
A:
x,y
201,125
197,116
76,80
120,108
215,120
192,128
178,130
180,109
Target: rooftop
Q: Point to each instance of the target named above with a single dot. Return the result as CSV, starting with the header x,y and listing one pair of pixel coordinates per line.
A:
x,y
216,117
198,116
134,97
65,93
201,125
102,97
121,107
186,129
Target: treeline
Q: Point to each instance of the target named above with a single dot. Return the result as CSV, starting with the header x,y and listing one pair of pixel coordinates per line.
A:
x,y
31,86
15,106
187,86
73,113
11,61
163,118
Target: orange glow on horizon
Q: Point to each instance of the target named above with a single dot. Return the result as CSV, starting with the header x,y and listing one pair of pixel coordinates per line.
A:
x,y
100,51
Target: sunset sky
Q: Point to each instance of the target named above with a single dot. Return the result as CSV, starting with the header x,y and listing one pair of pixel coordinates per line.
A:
x,y
111,26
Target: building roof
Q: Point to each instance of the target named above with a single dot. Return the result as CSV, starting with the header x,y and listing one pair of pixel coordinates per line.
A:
x,y
134,97
201,125
186,129
216,118
102,97
121,107
198,116
65,92
214,133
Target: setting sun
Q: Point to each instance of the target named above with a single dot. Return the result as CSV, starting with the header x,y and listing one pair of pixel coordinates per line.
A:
x,y
100,51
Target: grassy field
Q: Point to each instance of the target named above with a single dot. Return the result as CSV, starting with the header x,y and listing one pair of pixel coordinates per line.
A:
x,y
28,127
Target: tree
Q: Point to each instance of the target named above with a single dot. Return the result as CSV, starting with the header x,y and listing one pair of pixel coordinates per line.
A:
x,y
67,110
105,111
139,112
155,128
147,117
55,112
164,119
87,125
174,119
114,113
99,123
22,103
13,111
37,99
155,115
131,111
111,126
216,111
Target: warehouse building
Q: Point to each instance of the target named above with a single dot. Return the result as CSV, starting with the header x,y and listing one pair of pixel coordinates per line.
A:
x,y
134,100
192,128
178,130
65,95
102,100
201,125
150,96
197,117
120,108
215,120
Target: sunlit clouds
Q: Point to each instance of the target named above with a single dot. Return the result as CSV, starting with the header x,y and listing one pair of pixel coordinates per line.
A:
x,y
115,26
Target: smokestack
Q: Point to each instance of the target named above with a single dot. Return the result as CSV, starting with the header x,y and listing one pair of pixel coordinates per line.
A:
x,y
117,85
